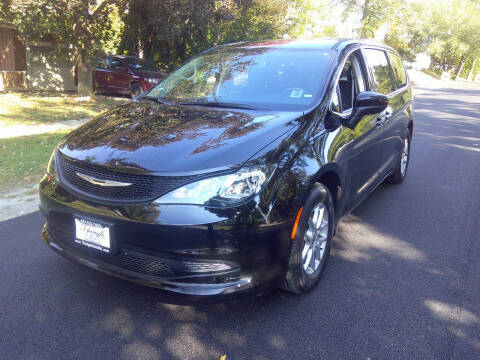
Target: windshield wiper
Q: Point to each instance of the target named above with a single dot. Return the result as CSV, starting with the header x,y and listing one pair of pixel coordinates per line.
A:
x,y
156,99
218,104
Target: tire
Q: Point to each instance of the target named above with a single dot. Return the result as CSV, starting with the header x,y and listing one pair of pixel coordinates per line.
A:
x,y
303,275
401,168
135,90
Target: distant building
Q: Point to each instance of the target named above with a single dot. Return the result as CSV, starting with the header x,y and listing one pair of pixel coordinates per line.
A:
x,y
32,63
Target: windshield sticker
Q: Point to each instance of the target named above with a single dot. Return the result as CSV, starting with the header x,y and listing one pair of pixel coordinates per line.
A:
x,y
307,95
296,93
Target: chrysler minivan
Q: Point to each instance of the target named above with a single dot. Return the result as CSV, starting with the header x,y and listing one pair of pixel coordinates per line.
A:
x,y
230,176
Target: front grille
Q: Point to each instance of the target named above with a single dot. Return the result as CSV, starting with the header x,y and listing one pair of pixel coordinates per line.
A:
x,y
143,265
143,187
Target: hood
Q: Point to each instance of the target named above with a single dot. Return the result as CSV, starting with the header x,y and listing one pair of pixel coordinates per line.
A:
x,y
155,138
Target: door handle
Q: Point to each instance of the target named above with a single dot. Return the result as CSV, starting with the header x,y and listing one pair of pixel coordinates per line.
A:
x,y
381,119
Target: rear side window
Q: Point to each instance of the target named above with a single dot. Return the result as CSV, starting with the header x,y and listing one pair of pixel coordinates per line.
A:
x,y
398,69
378,63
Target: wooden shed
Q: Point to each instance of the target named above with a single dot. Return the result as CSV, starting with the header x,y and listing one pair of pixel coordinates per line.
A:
x,y
33,63
13,61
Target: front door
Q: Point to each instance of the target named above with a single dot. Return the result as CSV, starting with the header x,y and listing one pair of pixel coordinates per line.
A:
x,y
100,75
359,149
118,78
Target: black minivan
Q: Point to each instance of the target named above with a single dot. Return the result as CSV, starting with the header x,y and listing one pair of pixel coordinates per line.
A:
x,y
230,176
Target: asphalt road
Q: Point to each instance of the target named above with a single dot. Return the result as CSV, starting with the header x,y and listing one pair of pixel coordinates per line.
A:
x,y
403,281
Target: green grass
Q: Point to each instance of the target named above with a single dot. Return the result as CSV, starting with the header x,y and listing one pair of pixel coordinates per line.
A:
x,y
432,73
25,158
42,108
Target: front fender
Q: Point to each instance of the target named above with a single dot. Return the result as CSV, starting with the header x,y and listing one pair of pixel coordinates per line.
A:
x,y
306,168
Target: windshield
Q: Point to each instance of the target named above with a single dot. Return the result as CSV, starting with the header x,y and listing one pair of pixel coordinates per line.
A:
x,y
140,64
274,78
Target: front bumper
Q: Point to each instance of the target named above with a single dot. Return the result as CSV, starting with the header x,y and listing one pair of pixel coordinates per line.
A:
x,y
193,289
187,251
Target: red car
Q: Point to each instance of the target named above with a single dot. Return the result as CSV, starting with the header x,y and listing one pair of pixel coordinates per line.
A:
x,y
125,75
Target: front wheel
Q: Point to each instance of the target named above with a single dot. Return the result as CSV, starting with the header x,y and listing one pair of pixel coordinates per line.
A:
x,y
400,171
312,241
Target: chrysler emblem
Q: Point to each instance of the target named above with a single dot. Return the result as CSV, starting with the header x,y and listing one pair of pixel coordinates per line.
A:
x,y
101,182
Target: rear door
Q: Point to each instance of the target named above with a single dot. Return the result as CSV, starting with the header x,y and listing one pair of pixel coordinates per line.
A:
x,y
394,127
382,81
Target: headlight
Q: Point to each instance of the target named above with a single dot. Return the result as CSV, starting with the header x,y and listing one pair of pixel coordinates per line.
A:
x,y
223,190
52,167
152,80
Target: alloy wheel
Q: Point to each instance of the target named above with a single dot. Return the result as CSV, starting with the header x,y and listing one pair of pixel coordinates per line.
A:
x,y
315,239
404,158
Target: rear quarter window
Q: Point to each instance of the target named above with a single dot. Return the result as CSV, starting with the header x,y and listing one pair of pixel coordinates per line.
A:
x,y
382,76
398,69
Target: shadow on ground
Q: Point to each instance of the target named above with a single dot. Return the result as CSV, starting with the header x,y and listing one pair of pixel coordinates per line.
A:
x,y
402,281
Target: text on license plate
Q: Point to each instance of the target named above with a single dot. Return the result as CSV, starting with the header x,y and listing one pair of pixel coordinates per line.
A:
x,y
92,234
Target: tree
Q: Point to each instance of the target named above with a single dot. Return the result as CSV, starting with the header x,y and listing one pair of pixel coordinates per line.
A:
x,y
5,13
171,31
455,34
263,20
407,30
371,13
449,30
80,27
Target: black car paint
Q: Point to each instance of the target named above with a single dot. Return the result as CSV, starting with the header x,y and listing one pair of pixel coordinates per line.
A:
x,y
160,139
190,139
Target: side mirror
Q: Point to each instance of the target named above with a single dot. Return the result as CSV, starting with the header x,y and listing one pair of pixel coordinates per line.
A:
x,y
365,103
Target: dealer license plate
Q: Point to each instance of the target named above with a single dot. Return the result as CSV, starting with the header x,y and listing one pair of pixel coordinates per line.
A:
x,y
92,234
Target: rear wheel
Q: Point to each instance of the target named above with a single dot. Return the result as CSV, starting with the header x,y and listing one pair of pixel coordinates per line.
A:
x,y
312,242
135,90
400,171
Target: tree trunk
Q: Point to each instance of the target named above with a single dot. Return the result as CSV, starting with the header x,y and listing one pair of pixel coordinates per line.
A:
x,y
181,51
470,74
363,30
462,64
85,85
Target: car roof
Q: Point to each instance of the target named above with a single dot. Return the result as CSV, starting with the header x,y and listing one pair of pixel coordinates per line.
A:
x,y
126,57
317,44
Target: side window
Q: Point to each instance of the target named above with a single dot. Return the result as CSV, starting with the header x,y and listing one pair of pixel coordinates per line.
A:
x,y
115,65
398,69
378,63
102,64
350,83
335,105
